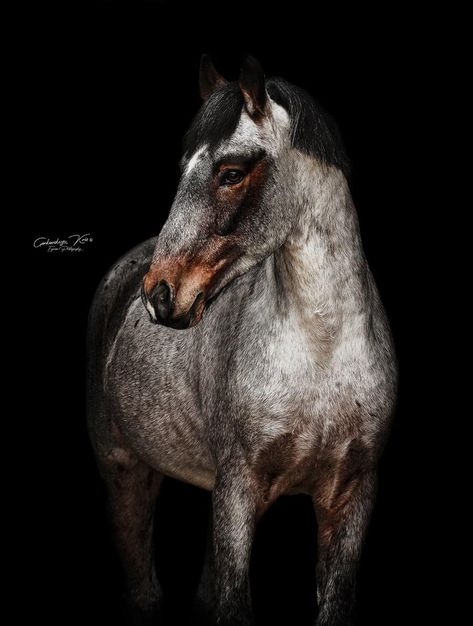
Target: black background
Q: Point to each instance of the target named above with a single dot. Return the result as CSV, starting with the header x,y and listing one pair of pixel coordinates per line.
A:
x,y
112,94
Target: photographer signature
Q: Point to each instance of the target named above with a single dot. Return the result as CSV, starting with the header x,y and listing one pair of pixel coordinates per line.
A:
x,y
72,243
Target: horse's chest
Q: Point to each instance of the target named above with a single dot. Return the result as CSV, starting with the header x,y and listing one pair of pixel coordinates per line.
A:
x,y
284,400
274,375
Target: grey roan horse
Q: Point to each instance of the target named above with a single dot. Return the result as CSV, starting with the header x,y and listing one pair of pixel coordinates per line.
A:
x,y
282,379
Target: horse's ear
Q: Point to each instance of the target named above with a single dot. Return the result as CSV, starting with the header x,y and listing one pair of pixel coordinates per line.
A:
x,y
252,85
209,78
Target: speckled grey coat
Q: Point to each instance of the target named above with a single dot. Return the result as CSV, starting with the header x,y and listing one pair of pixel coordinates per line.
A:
x,y
284,380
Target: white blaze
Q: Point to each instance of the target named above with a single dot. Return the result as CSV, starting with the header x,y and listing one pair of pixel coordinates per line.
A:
x,y
195,159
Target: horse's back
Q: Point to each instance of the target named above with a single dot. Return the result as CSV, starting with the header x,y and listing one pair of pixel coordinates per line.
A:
x,y
120,285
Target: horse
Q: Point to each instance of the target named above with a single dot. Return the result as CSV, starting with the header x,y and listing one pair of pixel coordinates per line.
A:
x,y
245,349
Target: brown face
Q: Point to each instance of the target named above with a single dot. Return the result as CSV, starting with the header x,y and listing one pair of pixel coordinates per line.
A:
x,y
228,191
177,287
220,223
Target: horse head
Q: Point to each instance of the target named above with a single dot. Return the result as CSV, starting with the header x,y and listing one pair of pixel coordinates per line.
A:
x,y
234,205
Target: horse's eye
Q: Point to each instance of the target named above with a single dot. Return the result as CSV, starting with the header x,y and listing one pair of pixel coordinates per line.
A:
x,y
231,177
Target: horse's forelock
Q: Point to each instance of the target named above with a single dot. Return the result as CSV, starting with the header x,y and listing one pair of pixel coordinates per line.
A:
x,y
216,120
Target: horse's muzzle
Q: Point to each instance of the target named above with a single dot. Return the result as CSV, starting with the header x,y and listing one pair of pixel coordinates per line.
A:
x,y
161,306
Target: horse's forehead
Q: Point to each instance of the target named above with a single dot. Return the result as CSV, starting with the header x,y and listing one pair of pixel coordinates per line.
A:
x,y
265,133
249,135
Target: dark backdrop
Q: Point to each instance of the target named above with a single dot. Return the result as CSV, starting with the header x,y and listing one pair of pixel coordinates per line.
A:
x,y
112,94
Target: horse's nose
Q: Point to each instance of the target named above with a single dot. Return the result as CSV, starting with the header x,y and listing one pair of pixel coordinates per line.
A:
x,y
162,300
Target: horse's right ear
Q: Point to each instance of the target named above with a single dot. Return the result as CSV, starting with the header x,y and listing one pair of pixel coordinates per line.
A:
x,y
253,88
209,78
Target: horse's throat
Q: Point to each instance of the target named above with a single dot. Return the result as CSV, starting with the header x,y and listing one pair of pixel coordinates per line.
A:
x,y
307,301
318,269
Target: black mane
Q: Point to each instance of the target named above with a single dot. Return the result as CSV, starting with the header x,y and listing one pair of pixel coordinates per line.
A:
x,y
313,131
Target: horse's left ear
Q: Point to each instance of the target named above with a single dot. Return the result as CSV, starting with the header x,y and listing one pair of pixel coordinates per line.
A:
x,y
209,78
252,85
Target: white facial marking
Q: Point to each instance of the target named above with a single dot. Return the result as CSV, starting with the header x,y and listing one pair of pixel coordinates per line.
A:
x,y
150,309
195,159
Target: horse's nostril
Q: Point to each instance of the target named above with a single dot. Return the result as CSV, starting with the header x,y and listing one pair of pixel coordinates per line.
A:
x,y
162,299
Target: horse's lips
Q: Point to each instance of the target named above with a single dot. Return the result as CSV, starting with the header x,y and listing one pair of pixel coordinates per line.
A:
x,y
191,318
196,310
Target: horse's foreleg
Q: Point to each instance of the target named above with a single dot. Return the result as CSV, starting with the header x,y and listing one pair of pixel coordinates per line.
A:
x,y
234,518
133,488
342,511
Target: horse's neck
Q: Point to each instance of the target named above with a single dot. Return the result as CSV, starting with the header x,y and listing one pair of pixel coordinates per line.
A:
x,y
321,269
